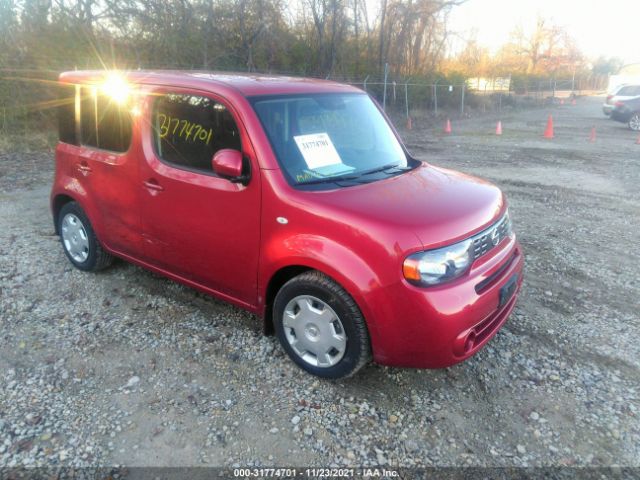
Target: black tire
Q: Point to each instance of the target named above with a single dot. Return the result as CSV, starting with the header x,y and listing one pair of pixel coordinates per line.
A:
x,y
634,122
313,283
96,257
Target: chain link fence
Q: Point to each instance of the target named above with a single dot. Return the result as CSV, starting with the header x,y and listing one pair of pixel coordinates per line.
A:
x,y
27,97
444,97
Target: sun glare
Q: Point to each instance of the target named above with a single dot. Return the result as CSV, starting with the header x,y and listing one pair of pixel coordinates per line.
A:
x,y
116,88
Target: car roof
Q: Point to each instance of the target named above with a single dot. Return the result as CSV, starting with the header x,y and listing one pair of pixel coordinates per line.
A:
x,y
244,83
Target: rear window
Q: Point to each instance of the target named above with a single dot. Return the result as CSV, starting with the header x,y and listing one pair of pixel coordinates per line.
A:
x,y
104,123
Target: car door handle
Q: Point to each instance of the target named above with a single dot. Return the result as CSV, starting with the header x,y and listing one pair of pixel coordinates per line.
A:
x,y
153,185
84,168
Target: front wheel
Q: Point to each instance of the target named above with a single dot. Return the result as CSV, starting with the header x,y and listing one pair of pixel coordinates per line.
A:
x,y
634,122
320,326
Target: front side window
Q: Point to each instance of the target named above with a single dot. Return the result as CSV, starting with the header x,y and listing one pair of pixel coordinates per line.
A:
x,y
104,123
319,138
189,129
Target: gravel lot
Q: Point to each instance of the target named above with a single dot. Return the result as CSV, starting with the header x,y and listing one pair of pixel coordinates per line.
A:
x,y
127,368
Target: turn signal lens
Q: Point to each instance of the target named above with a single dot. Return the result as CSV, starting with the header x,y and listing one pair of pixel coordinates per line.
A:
x,y
410,269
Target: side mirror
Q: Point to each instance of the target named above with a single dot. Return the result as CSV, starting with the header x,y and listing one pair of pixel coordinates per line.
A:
x,y
228,163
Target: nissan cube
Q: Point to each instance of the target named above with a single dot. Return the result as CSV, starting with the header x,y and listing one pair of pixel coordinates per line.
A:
x,y
292,198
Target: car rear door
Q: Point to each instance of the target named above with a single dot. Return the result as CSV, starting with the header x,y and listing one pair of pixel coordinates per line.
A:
x,y
195,224
106,168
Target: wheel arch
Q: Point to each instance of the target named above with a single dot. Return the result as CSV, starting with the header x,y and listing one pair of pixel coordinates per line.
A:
x,y
356,284
57,203
277,280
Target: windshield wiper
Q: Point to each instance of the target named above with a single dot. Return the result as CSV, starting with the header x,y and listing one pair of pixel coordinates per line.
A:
x,y
384,168
332,180
337,179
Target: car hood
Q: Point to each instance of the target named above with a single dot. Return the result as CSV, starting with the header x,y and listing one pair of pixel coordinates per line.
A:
x,y
439,206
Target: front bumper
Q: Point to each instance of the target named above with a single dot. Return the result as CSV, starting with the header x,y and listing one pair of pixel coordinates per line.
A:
x,y
441,326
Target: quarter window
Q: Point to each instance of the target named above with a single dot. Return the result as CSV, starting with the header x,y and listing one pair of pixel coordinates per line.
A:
x,y
189,129
103,122
67,114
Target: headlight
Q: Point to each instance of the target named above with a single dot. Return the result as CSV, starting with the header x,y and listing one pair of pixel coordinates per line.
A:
x,y
434,267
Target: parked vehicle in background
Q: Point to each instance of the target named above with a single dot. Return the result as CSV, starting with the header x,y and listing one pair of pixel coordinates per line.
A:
x,y
628,111
294,199
621,93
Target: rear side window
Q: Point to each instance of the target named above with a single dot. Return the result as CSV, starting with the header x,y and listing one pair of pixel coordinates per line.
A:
x,y
189,129
67,114
629,91
104,123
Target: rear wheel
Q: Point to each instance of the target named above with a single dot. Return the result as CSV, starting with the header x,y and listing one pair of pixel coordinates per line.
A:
x,y
320,326
634,122
79,241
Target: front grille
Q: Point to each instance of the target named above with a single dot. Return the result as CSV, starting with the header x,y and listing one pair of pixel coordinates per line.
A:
x,y
496,275
490,238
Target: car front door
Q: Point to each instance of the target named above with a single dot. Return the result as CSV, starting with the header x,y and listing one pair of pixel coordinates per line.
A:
x,y
197,225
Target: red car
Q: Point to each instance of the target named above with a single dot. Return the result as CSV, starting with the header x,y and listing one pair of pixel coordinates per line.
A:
x,y
292,198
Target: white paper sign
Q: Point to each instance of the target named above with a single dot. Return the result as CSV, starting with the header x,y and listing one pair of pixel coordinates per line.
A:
x,y
318,150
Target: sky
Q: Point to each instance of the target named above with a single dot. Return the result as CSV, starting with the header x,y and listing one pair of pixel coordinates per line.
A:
x,y
600,27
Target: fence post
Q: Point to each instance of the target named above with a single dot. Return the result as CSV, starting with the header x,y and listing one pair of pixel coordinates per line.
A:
x,y
539,91
365,82
484,97
462,99
384,91
435,97
25,121
406,98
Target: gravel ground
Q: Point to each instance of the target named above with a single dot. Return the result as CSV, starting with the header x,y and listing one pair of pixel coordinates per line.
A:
x,y
127,368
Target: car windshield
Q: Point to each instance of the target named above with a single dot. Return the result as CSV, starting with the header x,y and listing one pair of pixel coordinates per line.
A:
x,y
327,138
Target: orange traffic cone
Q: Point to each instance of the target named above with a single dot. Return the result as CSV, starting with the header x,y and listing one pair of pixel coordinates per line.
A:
x,y
592,135
548,133
447,126
638,140
409,126
499,128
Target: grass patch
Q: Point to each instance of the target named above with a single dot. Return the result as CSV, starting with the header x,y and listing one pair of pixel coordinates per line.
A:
x,y
33,141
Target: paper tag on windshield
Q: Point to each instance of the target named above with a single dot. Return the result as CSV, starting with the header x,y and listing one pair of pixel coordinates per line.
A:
x,y
318,150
